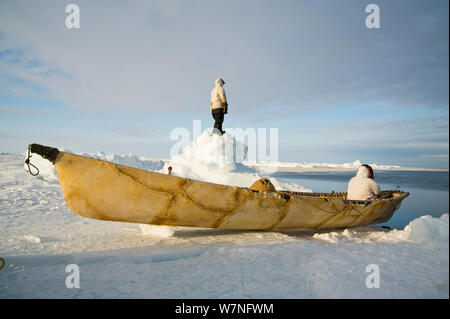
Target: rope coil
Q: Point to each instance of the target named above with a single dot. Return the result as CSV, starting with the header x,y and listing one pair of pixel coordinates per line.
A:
x,y
27,161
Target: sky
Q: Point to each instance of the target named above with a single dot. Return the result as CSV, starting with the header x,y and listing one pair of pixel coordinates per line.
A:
x,y
336,90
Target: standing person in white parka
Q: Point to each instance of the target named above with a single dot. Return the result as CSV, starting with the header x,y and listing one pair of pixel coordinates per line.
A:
x,y
219,105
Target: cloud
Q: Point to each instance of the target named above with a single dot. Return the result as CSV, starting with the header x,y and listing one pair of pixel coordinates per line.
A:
x,y
412,142
21,111
421,134
436,156
287,57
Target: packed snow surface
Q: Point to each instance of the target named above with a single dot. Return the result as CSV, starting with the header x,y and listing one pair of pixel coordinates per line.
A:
x,y
40,237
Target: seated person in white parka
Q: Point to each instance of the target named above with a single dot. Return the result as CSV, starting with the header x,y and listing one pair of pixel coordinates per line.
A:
x,y
362,186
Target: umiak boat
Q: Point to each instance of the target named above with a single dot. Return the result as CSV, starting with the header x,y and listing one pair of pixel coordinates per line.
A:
x,y
103,190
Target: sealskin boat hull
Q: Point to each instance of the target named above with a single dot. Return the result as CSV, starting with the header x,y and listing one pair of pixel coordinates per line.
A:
x,y
103,190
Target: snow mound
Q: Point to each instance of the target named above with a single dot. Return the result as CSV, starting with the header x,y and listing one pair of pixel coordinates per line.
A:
x,y
218,159
426,230
145,163
213,150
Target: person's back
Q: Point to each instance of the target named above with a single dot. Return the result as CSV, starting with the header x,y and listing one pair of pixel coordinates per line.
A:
x,y
218,97
362,186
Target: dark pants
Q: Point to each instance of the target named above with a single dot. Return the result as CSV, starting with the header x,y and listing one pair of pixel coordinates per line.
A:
x,y
218,117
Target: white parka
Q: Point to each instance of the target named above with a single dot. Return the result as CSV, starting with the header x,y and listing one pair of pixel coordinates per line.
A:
x,y
218,97
361,187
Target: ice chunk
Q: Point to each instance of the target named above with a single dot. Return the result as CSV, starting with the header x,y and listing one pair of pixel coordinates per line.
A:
x,y
157,231
32,239
429,231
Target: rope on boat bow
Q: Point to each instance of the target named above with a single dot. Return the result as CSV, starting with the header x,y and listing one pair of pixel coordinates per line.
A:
x,y
49,153
27,161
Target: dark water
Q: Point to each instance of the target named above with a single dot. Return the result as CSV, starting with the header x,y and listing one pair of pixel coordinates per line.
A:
x,y
429,191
